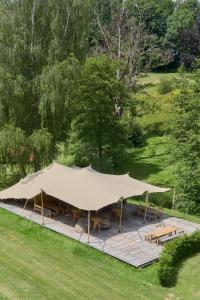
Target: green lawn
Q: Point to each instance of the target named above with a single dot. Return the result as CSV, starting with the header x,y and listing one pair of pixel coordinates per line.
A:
x,y
40,264
151,163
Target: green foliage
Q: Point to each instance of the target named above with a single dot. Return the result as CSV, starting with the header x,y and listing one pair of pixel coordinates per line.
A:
x,y
18,149
13,148
135,133
173,254
183,31
33,35
97,134
58,87
42,150
186,133
165,86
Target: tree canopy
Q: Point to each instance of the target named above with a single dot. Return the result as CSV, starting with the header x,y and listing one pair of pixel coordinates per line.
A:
x,y
186,133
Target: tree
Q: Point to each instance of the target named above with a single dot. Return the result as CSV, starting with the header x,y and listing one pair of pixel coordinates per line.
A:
x,y
58,86
131,31
13,147
186,133
34,34
183,31
97,135
18,149
41,148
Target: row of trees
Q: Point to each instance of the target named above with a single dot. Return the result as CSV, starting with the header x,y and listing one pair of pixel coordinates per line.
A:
x,y
146,34
186,133
76,107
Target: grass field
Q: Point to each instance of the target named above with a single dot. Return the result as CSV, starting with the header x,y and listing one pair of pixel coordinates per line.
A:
x,y
151,162
40,264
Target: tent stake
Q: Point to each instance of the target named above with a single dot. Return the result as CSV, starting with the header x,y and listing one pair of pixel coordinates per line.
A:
x,y
88,236
42,212
145,214
120,220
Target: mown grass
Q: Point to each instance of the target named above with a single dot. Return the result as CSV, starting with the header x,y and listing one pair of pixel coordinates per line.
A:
x,y
40,264
151,162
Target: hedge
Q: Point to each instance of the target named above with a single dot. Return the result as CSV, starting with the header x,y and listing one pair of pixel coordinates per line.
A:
x,y
173,254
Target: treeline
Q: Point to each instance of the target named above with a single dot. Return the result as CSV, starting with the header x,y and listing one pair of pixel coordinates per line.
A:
x,y
69,68
145,34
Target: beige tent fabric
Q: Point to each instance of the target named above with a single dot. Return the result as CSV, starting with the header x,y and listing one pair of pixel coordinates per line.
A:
x,y
84,188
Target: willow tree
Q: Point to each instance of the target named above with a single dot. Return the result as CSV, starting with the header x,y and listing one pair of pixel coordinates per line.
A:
x,y
58,89
34,34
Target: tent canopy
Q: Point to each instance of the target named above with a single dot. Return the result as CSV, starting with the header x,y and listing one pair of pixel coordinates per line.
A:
x,y
84,188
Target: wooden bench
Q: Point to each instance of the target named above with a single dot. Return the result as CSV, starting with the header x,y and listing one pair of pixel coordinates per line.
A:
x,y
168,238
157,234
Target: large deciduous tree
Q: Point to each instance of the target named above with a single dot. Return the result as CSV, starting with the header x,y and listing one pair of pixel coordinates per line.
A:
x,y
183,31
186,132
34,34
131,31
97,135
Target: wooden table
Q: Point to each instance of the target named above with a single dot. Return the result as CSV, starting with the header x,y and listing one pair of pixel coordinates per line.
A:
x,y
160,232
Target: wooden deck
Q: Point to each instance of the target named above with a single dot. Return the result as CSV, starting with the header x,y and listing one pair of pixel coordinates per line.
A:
x,y
128,246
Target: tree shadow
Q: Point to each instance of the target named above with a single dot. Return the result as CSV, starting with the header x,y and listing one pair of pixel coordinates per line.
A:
x,y
139,169
174,276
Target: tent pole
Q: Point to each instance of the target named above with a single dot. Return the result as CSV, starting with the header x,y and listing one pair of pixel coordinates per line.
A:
x,y
120,220
88,236
25,206
146,200
42,212
173,200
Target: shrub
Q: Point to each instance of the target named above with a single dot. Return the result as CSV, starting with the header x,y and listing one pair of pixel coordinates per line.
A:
x,y
165,86
173,254
135,134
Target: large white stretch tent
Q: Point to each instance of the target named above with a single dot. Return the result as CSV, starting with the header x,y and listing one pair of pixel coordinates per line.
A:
x,y
83,188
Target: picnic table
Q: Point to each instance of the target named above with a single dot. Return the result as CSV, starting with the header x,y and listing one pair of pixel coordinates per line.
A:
x,y
168,230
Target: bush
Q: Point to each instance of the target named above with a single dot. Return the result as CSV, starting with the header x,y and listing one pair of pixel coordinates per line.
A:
x,y
135,134
173,254
165,86
164,200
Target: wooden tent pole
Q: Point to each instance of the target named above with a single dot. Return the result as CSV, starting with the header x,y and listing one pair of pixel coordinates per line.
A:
x,y
42,211
173,199
88,236
25,206
120,220
146,200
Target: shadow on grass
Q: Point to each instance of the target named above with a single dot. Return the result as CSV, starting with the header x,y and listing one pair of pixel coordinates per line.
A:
x,y
176,271
138,169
